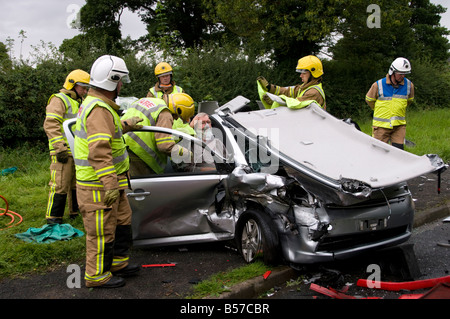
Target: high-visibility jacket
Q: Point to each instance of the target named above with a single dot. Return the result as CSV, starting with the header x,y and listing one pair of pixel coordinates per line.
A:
x,y
318,87
86,175
391,103
159,94
70,113
144,144
288,95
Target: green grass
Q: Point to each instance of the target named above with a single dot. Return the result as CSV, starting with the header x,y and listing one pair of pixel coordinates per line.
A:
x,y
27,189
428,129
223,281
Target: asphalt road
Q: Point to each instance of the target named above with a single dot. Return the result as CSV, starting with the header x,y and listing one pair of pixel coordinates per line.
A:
x,y
425,256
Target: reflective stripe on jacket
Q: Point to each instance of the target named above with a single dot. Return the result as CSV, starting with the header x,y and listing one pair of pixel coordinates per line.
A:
x,y
318,87
86,175
390,106
159,94
144,144
71,111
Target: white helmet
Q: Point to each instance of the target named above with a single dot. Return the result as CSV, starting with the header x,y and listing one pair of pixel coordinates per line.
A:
x,y
107,71
401,66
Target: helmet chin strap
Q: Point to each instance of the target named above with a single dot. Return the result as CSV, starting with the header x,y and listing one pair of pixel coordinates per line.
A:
x,y
165,86
115,94
393,80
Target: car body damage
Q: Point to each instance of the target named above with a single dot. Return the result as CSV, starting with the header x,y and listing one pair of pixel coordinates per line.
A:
x,y
336,191
329,155
298,185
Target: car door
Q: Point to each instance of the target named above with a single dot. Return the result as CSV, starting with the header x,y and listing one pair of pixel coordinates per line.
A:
x,y
174,204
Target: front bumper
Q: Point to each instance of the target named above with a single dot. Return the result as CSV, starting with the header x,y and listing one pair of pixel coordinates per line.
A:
x,y
351,231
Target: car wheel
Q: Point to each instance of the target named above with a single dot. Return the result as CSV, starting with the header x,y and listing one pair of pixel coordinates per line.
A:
x,y
256,237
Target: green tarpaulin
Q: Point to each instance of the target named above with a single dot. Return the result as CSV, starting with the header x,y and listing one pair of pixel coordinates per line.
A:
x,y
50,233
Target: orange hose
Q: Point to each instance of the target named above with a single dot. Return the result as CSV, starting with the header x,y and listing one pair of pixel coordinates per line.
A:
x,y
11,214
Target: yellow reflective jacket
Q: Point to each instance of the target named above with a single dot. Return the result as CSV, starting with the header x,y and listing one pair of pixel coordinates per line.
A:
x,y
85,173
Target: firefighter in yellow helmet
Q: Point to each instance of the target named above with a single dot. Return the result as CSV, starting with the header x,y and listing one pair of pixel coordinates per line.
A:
x,y
61,107
149,151
166,84
311,70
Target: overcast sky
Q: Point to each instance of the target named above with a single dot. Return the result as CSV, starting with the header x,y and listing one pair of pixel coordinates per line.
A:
x,y
49,21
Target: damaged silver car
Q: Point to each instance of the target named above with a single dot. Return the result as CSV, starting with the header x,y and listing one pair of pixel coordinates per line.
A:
x,y
292,186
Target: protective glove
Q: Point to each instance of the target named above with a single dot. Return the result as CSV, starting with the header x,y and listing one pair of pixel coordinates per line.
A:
x,y
132,124
264,83
111,196
62,156
267,99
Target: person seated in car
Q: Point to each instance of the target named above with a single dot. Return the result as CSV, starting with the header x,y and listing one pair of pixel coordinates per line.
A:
x,y
203,159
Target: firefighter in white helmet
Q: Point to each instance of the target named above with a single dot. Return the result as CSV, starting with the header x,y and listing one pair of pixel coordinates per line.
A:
x,y
61,107
166,84
311,70
102,164
388,98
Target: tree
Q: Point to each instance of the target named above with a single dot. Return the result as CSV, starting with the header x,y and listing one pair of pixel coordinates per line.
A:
x,y
429,35
284,30
5,61
407,28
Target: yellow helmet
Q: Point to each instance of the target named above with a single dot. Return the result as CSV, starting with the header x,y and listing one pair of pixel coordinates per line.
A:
x,y
79,77
312,64
163,68
182,105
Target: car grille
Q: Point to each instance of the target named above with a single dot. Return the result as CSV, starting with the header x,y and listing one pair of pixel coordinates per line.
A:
x,y
336,243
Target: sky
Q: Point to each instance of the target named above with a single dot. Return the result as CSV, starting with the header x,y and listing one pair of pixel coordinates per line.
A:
x,y
49,21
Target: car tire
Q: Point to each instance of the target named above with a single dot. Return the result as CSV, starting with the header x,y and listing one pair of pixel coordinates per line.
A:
x,y
256,236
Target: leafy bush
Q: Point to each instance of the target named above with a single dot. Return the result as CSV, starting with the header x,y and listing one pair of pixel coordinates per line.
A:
x,y
24,92
212,73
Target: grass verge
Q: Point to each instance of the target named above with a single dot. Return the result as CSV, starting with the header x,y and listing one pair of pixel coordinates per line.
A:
x,y
428,130
223,281
26,191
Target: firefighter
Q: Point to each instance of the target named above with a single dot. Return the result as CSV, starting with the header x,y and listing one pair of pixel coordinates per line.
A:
x,y
102,164
149,151
61,107
388,98
166,84
311,71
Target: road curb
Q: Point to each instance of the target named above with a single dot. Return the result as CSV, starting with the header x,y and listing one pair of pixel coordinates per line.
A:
x,y
254,287
431,215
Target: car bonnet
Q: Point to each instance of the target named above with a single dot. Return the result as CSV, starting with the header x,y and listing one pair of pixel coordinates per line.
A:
x,y
313,141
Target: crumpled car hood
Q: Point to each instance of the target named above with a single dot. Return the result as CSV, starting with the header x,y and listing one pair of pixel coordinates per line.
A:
x,y
313,141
